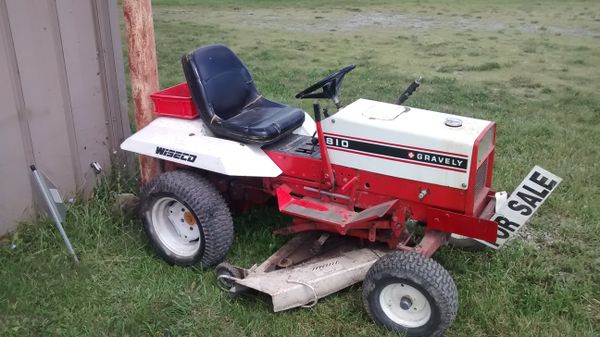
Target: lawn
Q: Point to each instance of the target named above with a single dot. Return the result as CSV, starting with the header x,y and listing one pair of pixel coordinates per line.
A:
x,y
532,67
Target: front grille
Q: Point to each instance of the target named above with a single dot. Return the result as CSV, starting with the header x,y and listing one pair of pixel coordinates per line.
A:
x,y
480,178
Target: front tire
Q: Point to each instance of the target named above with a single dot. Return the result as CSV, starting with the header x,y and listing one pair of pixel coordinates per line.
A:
x,y
185,219
410,293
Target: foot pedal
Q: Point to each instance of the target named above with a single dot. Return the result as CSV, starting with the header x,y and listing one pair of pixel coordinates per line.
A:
x,y
320,211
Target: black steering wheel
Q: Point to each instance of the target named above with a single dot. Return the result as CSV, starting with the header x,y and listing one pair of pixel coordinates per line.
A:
x,y
330,84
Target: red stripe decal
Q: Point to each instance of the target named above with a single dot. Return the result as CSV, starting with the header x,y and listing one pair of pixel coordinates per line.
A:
x,y
396,145
396,159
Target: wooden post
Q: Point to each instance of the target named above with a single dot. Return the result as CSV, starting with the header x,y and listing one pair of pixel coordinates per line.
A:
x,y
142,70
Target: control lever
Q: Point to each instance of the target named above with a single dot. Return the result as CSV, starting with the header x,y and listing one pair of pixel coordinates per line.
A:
x,y
317,110
409,91
327,179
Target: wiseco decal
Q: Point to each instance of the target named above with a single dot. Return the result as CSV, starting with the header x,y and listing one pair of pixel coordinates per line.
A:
x,y
407,155
175,154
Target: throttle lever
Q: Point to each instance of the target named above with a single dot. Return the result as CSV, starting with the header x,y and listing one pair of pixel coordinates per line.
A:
x,y
409,91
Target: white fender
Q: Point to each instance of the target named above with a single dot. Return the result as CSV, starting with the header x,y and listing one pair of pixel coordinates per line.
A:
x,y
191,143
308,128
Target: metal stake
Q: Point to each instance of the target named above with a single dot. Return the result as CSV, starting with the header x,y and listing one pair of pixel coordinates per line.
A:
x,y
55,207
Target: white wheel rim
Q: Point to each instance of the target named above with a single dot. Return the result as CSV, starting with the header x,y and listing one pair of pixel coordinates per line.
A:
x,y
175,226
405,305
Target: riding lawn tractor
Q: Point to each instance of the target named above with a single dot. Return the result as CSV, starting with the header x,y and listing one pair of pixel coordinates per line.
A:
x,y
373,190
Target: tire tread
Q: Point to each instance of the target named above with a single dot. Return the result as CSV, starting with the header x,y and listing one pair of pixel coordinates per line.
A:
x,y
207,204
423,271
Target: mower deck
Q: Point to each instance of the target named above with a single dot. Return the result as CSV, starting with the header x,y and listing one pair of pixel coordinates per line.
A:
x,y
308,267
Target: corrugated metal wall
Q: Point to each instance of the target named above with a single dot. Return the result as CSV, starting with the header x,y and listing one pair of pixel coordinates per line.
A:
x,y
62,97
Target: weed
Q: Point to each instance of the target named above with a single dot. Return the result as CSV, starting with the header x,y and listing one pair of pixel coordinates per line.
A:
x,y
460,67
523,82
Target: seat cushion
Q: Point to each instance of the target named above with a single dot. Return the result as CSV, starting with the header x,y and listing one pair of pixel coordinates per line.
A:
x,y
264,122
229,91
229,102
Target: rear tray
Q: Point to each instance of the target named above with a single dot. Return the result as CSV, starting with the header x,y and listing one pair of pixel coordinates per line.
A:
x,y
174,101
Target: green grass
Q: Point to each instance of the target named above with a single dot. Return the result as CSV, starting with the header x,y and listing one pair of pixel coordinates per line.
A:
x,y
532,67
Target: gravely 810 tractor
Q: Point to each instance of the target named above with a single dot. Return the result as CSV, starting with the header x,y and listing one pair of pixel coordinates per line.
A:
x,y
374,190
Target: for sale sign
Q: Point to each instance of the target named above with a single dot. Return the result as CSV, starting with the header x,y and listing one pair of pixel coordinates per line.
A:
x,y
523,202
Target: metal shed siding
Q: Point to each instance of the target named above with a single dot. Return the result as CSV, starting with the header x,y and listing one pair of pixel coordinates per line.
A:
x,y
62,93
15,148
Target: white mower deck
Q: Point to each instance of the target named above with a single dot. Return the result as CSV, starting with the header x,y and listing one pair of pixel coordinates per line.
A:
x,y
340,266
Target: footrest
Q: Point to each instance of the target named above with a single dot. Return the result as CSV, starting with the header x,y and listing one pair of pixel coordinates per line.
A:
x,y
332,213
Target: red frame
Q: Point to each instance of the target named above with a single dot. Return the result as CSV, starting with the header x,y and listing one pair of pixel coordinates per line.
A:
x,y
477,205
341,190
444,208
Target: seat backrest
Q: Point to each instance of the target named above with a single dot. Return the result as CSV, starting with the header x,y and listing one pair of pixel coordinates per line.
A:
x,y
219,82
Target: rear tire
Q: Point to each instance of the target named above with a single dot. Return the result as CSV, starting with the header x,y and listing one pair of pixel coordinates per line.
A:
x,y
410,293
185,219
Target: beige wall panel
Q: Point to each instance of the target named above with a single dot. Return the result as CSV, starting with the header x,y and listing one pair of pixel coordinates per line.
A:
x,y
62,94
15,184
85,88
43,79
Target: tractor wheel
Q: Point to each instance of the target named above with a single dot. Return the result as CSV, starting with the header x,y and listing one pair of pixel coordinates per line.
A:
x,y
185,219
466,243
410,293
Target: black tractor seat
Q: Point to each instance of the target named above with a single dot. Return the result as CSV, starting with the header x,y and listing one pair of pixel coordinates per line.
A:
x,y
229,103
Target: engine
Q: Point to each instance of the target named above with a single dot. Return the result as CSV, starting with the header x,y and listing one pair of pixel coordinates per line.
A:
x,y
414,144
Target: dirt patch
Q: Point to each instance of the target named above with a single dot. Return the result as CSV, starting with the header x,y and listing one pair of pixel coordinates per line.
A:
x,y
348,21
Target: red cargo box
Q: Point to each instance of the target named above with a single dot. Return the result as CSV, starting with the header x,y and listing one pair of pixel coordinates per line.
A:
x,y
174,102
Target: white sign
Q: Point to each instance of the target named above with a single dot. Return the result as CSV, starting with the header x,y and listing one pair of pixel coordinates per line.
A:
x,y
522,203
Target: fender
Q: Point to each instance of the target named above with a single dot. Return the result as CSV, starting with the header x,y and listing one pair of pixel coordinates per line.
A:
x,y
191,143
